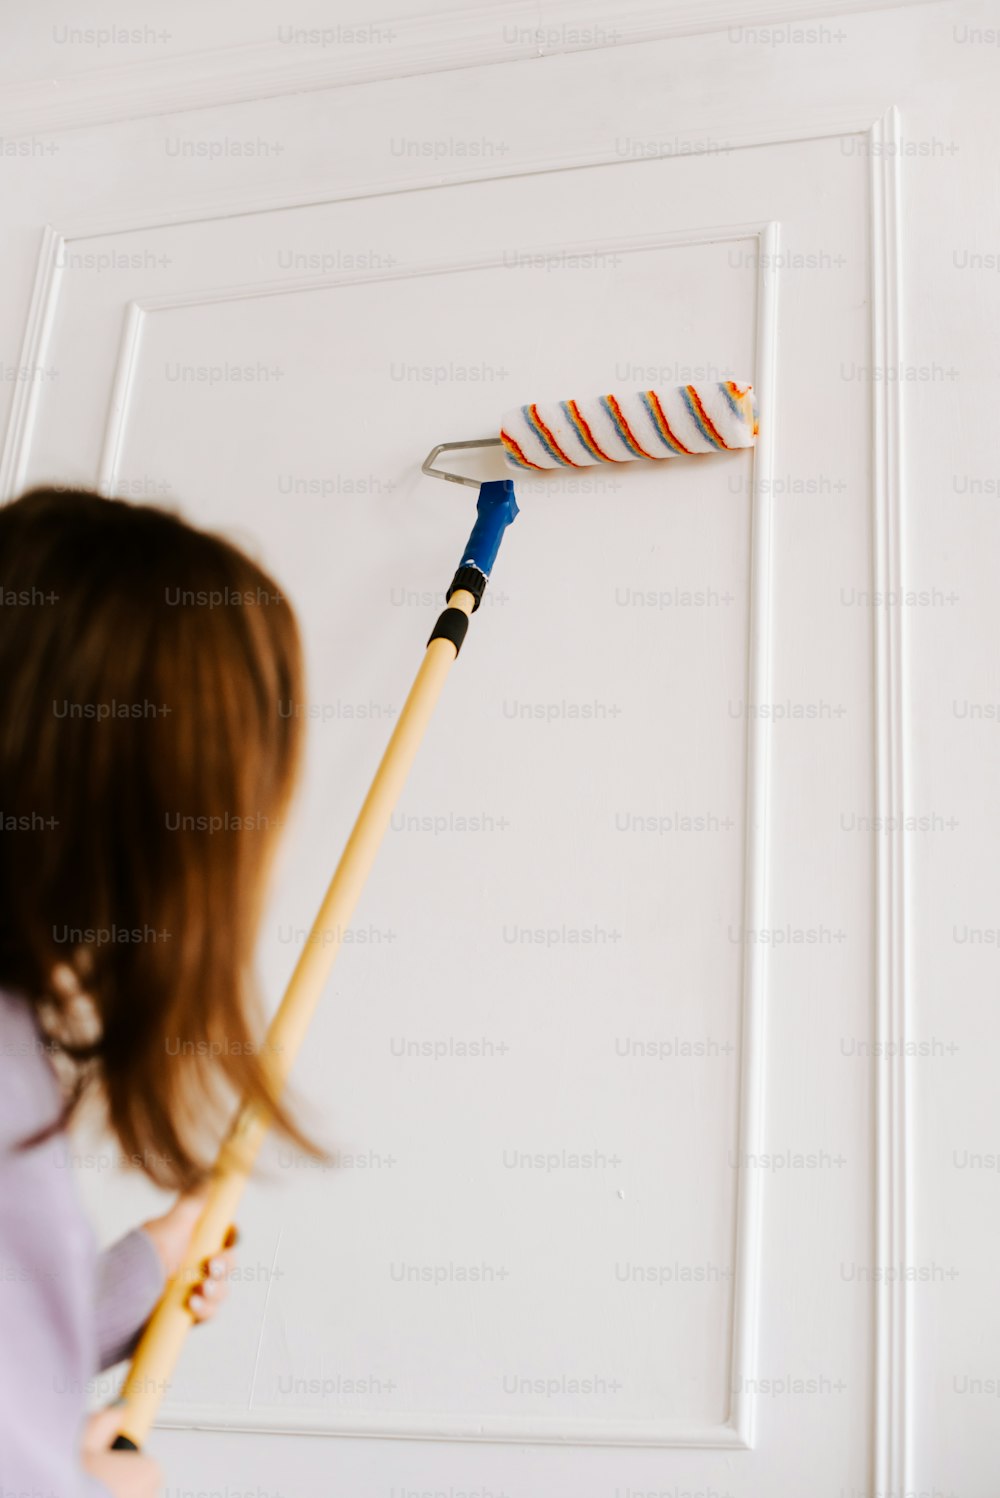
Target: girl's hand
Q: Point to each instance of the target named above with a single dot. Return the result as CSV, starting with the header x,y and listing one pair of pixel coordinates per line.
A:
x,y
125,1474
171,1234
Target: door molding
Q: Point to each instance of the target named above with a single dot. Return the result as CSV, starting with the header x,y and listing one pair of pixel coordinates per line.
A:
x,y
477,36
736,1430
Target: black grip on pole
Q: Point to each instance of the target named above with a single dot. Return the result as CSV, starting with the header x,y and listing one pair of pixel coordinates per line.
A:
x,y
122,1443
452,625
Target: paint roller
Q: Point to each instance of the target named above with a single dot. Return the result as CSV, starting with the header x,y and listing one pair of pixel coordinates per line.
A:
x,y
650,424
678,423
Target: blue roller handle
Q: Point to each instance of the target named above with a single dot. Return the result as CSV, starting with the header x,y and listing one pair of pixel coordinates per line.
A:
x,y
496,508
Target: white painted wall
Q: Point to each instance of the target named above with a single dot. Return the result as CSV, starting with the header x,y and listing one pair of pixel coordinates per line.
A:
x,y
803,206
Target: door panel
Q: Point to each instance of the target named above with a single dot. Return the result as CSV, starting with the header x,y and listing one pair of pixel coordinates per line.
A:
x,y
541,1062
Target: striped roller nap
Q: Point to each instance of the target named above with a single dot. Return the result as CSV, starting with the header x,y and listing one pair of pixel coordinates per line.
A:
x,y
621,428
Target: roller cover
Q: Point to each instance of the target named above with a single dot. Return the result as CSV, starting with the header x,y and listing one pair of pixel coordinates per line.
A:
x,y
620,428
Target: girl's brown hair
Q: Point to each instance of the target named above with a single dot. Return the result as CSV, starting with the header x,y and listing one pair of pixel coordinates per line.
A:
x,y
147,756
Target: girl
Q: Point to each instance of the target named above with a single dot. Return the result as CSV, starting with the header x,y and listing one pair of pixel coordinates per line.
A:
x,y
143,662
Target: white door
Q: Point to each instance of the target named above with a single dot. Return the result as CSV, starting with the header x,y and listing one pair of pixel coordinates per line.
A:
x,y
652,1168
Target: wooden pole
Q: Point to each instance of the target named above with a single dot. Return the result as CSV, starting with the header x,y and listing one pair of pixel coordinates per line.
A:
x,y
160,1347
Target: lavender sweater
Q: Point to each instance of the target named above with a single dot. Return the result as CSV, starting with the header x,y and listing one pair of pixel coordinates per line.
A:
x,y
66,1311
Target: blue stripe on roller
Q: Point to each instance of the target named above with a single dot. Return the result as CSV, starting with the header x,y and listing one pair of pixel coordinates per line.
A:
x,y
622,428
496,508
734,404
696,417
553,452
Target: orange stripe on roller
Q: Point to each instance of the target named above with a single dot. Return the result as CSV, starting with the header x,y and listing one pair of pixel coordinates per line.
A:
x,y
741,396
512,447
620,414
549,437
692,392
588,435
662,416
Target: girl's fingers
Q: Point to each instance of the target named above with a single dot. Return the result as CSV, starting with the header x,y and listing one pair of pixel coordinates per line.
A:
x,y
209,1293
219,1265
206,1298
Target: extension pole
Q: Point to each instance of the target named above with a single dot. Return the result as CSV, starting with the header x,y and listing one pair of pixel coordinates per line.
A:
x,y
163,1339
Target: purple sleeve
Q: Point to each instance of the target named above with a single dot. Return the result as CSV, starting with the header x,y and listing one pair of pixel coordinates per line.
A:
x,y
47,1350
130,1280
